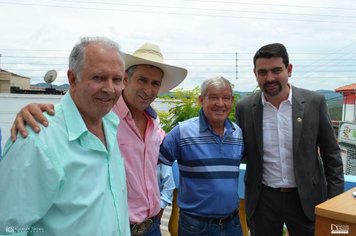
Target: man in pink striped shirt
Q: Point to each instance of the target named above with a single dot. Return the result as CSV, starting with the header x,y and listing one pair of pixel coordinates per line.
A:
x,y
139,132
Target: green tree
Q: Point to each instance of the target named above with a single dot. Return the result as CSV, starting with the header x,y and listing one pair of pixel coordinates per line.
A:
x,y
184,106
335,112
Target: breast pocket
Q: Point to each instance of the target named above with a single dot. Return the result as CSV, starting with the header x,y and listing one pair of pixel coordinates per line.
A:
x,y
152,147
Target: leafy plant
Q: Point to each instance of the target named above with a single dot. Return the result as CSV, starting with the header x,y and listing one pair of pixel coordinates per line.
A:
x,y
184,106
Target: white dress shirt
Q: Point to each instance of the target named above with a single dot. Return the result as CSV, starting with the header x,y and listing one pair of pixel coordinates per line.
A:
x,y
278,168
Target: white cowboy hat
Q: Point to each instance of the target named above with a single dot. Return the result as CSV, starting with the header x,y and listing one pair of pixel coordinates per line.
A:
x,y
150,54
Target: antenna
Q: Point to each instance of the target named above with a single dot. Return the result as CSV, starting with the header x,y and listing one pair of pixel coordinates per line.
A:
x,y
50,76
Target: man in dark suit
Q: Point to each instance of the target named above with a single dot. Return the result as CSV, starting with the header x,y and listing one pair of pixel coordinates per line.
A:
x,y
293,159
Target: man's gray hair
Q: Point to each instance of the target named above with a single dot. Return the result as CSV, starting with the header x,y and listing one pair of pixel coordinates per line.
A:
x,y
77,55
217,82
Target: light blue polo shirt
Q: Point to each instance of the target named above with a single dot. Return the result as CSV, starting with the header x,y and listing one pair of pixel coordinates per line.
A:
x,y
64,181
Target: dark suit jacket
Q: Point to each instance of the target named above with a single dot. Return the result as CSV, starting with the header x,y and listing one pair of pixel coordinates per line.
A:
x,y
318,177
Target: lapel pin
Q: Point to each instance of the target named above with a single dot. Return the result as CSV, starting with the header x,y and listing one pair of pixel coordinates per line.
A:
x,y
299,119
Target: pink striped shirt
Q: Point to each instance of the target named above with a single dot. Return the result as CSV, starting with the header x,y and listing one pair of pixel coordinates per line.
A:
x,y
141,157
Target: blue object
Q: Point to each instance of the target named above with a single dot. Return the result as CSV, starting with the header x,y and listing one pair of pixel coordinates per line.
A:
x,y
350,182
175,170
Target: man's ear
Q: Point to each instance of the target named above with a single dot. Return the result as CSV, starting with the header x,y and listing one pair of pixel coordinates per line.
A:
x,y
71,77
289,69
126,79
255,73
200,99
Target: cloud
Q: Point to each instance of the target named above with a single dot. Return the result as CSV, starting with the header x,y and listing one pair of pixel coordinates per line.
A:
x,y
209,37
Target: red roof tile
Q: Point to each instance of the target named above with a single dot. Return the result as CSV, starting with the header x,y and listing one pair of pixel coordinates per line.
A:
x,y
350,87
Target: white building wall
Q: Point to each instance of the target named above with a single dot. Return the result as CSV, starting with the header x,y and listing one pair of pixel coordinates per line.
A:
x,y
349,112
11,103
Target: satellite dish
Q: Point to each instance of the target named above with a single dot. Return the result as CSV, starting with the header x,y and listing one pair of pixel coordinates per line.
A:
x,y
50,76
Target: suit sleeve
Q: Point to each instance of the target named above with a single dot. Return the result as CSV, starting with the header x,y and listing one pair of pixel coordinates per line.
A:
x,y
330,153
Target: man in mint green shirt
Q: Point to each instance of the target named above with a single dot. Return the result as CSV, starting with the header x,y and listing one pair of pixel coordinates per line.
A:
x,y
70,178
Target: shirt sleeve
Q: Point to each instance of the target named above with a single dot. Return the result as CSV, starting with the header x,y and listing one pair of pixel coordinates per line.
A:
x,y
29,182
166,183
170,147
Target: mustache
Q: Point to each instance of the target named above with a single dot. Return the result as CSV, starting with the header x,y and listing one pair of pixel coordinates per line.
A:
x,y
272,82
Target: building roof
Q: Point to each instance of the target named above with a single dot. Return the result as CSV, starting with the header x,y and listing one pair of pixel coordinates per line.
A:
x,y
346,88
13,74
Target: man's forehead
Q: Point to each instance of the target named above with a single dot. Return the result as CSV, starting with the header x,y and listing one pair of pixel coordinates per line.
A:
x,y
269,63
149,66
269,60
218,90
144,70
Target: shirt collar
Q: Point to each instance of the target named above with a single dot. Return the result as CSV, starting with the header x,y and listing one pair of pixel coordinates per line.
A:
x,y
74,121
151,112
204,124
289,99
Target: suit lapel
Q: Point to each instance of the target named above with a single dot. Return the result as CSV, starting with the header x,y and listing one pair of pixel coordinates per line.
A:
x,y
298,104
257,110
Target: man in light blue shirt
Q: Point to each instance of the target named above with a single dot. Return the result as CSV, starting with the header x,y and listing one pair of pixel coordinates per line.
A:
x,y
166,185
70,178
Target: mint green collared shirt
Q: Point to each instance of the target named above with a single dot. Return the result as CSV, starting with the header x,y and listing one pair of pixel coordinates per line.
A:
x,y
64,181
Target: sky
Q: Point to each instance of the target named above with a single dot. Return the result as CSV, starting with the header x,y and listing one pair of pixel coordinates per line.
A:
x,y
208,37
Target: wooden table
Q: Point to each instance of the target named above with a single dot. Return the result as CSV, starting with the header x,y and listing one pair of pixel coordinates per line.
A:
x,y
337,216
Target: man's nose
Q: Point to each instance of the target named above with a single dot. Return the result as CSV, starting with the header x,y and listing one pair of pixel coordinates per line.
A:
x,y
109,85
270,76
148,88
219,102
